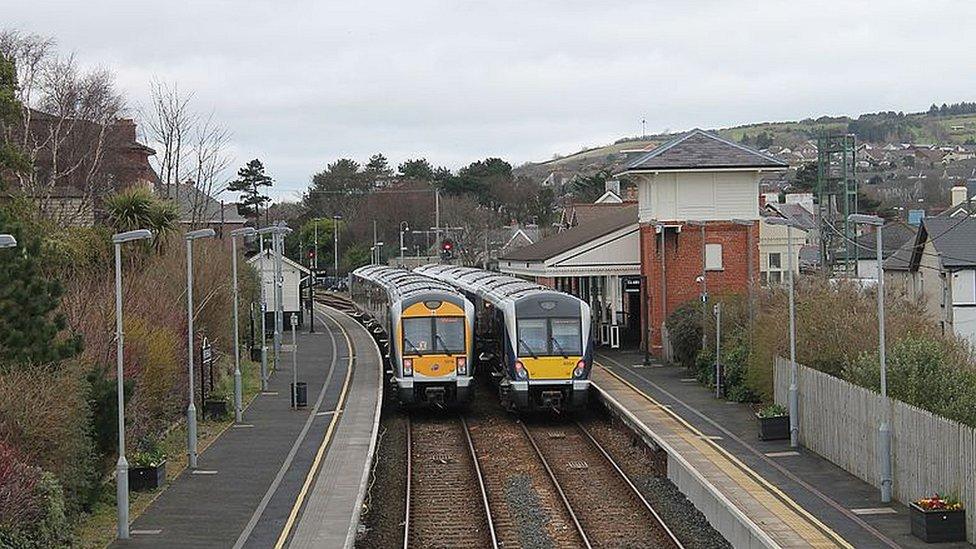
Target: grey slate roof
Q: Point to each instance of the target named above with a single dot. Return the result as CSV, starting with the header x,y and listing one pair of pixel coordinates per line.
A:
x,y
953,239
700,150
894,236
796,212
561,242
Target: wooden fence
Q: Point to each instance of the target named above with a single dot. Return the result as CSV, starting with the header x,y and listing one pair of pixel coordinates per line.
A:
x,y
840,420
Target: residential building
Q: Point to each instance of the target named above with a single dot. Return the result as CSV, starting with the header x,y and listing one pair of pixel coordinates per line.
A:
x,y
703,178
774,240
197,209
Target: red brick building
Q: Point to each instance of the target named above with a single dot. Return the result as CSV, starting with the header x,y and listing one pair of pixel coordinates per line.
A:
x,y
695,184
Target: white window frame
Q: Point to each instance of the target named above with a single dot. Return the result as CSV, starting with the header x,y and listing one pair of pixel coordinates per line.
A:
x,y
713,257
779,259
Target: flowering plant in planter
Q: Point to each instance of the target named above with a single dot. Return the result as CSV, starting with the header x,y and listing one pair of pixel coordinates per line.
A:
x,y
938,519
149,458
773,410
939,503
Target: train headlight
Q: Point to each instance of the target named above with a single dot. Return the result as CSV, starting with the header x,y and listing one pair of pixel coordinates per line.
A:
x,y
408,366
520,372
579,370
462,365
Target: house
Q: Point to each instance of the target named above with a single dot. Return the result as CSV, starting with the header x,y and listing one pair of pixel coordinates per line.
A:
x,y
774,240
198,209
698,212
597,261
292,275
894,235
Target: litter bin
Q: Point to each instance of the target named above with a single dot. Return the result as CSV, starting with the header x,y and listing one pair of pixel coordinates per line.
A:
x,y
301,393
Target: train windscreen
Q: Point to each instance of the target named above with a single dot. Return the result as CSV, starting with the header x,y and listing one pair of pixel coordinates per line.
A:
x,y
549,337
429,335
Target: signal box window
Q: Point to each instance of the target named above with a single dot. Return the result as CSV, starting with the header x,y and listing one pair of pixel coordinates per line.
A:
x,y
713,257
775,261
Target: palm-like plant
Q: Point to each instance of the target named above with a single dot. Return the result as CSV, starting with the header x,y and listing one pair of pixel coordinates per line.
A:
x,y
137,208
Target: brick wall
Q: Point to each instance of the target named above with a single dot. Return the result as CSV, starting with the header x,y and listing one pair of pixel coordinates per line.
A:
x,y
683,265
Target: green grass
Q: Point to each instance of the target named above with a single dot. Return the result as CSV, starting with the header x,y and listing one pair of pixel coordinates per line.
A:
x,y
97,528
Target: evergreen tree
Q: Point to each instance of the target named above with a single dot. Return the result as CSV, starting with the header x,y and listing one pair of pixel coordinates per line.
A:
x,y
419,169
378,170
11,159
249,181
31,328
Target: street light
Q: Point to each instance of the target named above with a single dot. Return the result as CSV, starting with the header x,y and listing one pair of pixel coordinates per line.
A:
x,y
404,226
238,397
335,246
884,430
793,398
7,241
264,310
191,410
278,242
121,466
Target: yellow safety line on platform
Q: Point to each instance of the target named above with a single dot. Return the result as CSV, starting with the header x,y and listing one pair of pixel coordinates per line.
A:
x,y
290,523
736,461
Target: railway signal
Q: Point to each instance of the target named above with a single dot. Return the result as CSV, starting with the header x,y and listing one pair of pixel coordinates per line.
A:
x,y
447,250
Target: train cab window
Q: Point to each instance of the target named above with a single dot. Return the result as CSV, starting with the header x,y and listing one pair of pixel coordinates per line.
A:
x,y
566,336
449,334
417,336
533,336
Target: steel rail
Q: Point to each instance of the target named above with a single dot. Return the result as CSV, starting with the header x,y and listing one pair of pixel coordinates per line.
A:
x,y
633,488
559,488
406,518
481,484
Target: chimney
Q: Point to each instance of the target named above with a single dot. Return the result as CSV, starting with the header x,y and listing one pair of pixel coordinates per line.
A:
x,y
612,185
959,195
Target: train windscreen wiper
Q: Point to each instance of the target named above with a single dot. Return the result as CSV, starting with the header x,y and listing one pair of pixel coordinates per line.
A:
x,y
412,346
444,343
527,348
560,347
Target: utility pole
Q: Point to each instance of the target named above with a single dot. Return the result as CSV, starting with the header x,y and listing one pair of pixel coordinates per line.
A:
x,y
718,350
437,216
238,390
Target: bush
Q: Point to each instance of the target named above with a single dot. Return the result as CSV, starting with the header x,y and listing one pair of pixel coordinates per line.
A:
x,y
32,505
685,333
926,372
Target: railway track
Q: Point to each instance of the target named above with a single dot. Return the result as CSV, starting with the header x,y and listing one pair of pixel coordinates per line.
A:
x,y
446,499
607,508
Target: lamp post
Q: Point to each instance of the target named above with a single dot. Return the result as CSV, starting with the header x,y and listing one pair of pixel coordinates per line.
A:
x,y
884,430
278,240
122,466
264,311
191,409
335,246
794,382
238,397
404,226
7,241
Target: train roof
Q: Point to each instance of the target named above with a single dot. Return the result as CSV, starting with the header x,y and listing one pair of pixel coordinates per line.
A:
x,y
490,285
403,284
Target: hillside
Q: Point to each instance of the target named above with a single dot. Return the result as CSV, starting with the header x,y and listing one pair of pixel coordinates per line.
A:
x,y
884,127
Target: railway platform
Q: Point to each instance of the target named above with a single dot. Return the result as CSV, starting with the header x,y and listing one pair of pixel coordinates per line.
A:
x,y
265,482
757,494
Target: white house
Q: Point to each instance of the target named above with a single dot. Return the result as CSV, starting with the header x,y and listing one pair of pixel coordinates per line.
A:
x,y
292,275
774,241
940,266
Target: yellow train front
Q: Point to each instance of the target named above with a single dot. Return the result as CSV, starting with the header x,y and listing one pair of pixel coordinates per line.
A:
x,y
429,328
535,341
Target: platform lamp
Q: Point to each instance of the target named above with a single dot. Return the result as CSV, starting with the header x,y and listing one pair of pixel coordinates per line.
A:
x,y
191,409
793,397
7,241
884,430
238,390
121,466
264,310
278,238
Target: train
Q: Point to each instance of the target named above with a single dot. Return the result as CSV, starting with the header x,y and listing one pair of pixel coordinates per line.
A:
x,y
430,335
534,341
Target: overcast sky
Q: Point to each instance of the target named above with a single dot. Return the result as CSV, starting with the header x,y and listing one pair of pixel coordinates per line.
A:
x,y
300,83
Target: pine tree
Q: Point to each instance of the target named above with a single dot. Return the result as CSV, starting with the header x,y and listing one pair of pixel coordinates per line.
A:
x,y
249,181
31,328
378,170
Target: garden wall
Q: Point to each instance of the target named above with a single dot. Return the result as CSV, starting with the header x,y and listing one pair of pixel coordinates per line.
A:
x,y
839,421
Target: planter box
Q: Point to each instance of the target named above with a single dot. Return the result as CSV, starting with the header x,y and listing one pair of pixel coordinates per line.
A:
x,y
147,478
938,526
774,428
214,409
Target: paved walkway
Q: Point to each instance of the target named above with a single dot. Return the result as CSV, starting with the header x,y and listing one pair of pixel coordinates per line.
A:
x,y
247,482
843,503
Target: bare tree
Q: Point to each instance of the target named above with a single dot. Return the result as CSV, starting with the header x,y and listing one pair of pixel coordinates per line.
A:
x,y
69,120
169,121
209,159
